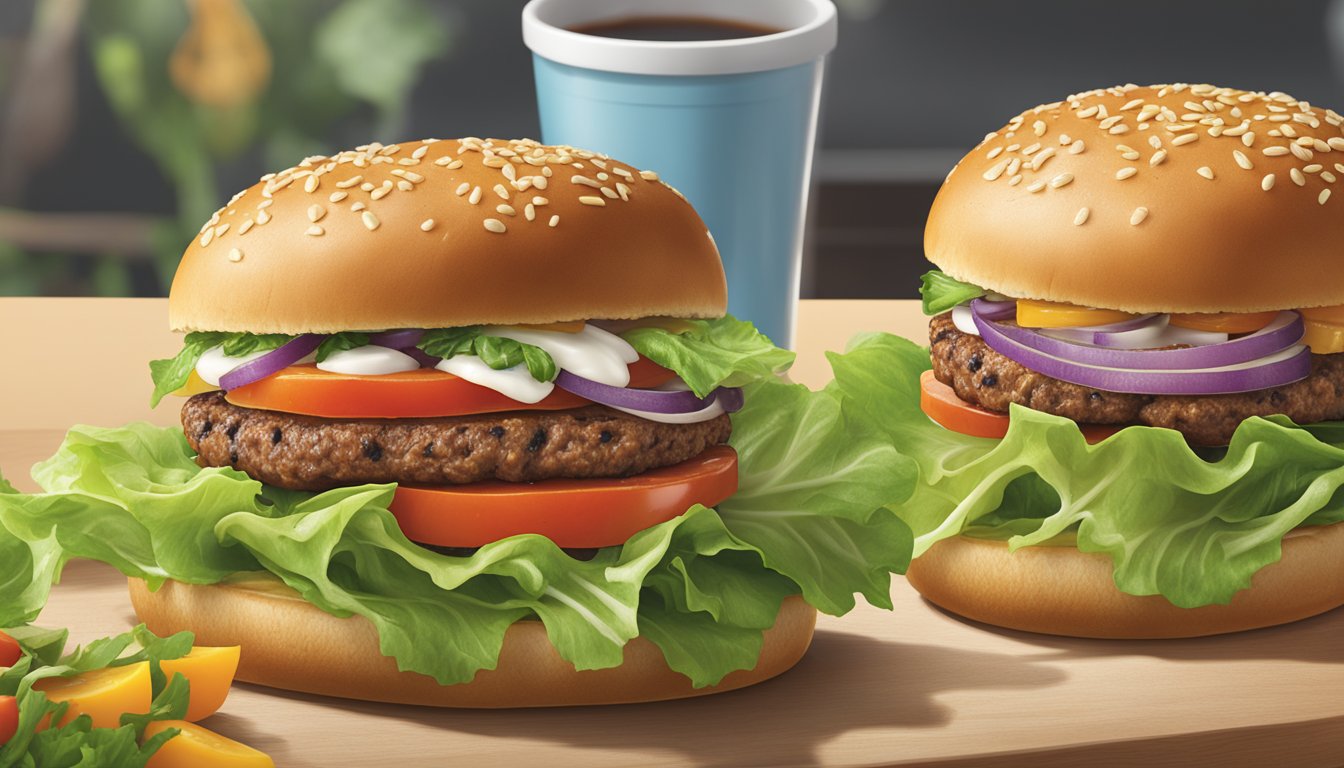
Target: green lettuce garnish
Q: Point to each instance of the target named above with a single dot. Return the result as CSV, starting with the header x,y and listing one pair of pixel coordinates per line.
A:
x,y
708,354
703,587
495,351
1192,528
78,743
942,292
171,374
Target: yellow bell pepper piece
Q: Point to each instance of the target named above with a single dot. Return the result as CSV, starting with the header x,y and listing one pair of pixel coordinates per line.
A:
x,y
210,672
195,385
103,694
1053,314
1323,338
196,747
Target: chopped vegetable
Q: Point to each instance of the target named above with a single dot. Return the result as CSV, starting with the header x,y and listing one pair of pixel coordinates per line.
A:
x,y
9,718
1224,322
9,650
942,292
1054,314
210,670
102,694
197,747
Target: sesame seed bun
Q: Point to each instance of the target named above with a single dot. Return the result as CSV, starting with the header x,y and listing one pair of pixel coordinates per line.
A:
x,y
1179,198
447,233
291,644
1059,590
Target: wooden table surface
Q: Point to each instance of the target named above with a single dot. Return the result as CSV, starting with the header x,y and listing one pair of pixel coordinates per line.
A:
x,y
910,687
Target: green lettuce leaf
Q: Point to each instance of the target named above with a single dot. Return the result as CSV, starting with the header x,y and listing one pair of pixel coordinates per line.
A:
x,y
942,292
171,374
1192,528
708,354
340,342
495,351
809,517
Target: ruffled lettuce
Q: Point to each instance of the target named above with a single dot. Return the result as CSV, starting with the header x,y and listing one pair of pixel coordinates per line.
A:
x,y
1193,527
809,518
708,354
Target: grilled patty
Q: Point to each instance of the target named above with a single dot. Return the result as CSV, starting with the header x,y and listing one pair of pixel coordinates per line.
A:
x,y
310,453
985,378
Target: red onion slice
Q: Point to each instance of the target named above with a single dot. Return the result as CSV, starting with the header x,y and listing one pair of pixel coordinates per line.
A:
x,y
272,362
647,400
1283,332
400,339
1282,367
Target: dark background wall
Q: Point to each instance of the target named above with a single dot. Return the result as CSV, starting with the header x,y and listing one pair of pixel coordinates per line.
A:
x,y
910,88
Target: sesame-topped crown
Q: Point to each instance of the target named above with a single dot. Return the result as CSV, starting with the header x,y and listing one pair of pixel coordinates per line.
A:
x,y
447,233
1188,198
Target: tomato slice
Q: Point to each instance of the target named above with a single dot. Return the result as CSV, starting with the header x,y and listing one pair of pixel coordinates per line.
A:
x,y
576,514
422,393
1054,314
10,651
1224,322
941,403
9,718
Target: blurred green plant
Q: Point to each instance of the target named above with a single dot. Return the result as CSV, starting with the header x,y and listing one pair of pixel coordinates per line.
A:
x,y
324,61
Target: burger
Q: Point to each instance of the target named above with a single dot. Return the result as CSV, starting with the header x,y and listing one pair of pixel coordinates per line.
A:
x,y
1137,368
466,425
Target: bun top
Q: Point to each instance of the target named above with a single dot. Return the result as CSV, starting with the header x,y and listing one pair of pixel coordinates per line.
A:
x,y
1169,198
447,233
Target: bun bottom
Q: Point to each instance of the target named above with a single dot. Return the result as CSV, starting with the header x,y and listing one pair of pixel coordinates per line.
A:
x,y
292,644
1058,590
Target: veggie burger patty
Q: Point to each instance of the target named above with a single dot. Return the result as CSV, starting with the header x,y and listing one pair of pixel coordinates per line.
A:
x,y
311,453
985,378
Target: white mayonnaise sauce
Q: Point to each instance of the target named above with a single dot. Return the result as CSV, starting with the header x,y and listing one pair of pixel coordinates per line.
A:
x,y
591,353
368,360
214,363
515,383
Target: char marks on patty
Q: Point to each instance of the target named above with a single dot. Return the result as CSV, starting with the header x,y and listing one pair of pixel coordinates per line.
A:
x,y
311,453
986,378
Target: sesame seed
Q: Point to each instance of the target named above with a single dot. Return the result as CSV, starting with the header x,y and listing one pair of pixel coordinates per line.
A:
x,y
316,212
1081,218
1035,186
350,182
420,152
367,186
555,220
1328,177
314,231
995,152
506,209
1248,139
1275,151
1313,168
1131,155
496,226
426,225
475,196
587,182
310,185
357,206
1038,127
530,212
381,192
1077,147
1138,217
1159,157
462,189
1325,195
1205,171
1336,143
1302,153
1184,138
623,190
1109,122
1015,180
1118,130
1041,158
501,191
263,217
1125,173
236,255
1267,183
337,197
1297,176
207,237
645,175
592,200
405,186
610,193
1062,180
370,221
1242,159
245,226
